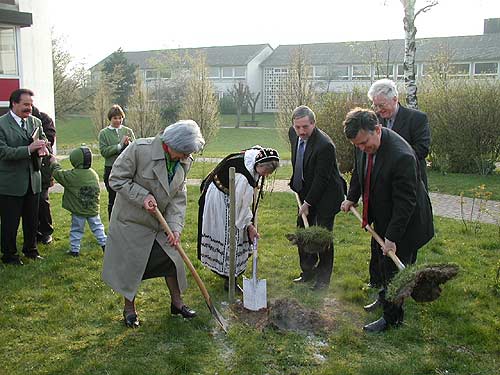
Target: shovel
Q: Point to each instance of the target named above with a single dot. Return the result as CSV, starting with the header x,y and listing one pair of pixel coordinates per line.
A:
x,y
254,290
422,284
217,316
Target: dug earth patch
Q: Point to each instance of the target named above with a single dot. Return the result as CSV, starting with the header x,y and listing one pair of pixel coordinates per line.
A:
x,y
289,315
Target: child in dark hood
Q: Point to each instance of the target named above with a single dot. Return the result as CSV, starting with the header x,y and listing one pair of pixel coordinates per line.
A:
x,y
81,197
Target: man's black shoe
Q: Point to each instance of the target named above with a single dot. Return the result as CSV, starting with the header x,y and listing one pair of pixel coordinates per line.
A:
x,y
373,306
45,239
13,261
376,326
302,279
33,256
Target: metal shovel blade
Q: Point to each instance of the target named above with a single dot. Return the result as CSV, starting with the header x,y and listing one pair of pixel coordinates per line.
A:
x,y
254,294
254,291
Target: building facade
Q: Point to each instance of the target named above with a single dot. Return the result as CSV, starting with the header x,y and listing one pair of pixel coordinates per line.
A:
x,y
227,65
341,66
334,66
26,52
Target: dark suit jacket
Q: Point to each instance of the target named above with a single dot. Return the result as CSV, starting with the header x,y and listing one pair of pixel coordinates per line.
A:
x,y
399,205
413,126
323,186
16,166
49,129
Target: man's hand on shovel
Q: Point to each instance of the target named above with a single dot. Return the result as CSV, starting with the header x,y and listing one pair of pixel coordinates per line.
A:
x,y
150,206
388,246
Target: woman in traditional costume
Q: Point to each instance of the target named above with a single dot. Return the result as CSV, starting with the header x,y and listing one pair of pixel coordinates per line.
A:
x,y
251,166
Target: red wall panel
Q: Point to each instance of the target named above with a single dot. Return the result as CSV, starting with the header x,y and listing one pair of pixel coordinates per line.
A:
x,y
7,85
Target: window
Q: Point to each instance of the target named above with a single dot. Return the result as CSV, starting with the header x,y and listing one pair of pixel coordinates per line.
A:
x,y
383,71
213,72
165,74
227,72
234,72
8,56
400,74
332,72
486,69
239,72
321,71
151,74
339,72
459,70
361,72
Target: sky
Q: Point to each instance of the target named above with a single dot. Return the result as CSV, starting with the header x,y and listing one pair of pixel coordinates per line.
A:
x,y
93,29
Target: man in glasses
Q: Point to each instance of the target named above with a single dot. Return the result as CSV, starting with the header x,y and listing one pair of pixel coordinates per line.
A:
x,y
409,123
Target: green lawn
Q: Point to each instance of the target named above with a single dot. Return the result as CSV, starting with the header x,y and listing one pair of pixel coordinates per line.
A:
x,y
58,317
73,131
265,120
231,140
456,183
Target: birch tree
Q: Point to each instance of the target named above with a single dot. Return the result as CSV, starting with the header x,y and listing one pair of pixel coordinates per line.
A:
x,y
410,47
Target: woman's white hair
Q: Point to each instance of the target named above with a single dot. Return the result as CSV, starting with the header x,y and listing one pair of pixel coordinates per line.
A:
x,y
385,87
184,136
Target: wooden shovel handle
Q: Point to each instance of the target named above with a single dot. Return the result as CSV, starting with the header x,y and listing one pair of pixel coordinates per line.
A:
x,y
379,239
188,263
304,217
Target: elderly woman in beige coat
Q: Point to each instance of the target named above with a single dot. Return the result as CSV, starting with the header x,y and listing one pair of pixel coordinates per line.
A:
x,y
150,173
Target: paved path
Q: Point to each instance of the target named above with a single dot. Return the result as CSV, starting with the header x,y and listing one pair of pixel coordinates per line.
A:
x,y
443,204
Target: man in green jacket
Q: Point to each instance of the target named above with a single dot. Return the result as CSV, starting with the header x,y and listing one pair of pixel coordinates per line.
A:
x,y
22,142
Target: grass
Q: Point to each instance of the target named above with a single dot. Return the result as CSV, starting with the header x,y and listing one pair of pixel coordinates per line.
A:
x,y
73,131
265,120
231,140
58,317
455,183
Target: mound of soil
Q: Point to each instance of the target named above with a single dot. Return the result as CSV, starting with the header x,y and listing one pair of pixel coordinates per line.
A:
x,y
422,284
286,315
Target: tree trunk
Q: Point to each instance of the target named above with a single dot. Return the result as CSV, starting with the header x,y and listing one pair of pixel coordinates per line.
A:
x,y
410,50
238,116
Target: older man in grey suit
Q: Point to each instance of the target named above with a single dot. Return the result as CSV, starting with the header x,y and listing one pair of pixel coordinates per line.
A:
x,y
22,141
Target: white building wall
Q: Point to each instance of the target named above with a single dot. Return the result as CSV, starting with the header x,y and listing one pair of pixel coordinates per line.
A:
x,y
254,75
35,55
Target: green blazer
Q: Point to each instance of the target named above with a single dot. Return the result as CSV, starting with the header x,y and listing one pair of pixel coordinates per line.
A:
x,y
16,166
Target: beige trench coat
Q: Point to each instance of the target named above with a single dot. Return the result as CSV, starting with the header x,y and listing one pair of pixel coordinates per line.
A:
x,y
141,170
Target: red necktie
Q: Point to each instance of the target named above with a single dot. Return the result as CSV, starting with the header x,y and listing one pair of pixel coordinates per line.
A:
x,y
366,190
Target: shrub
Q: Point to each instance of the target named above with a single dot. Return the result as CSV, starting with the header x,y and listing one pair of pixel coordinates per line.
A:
x,y
331,111
227,106
463,116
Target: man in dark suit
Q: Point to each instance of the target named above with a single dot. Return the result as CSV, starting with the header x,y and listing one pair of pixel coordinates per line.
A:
x,y
394,199
20,180
409,123
321,188
45,227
